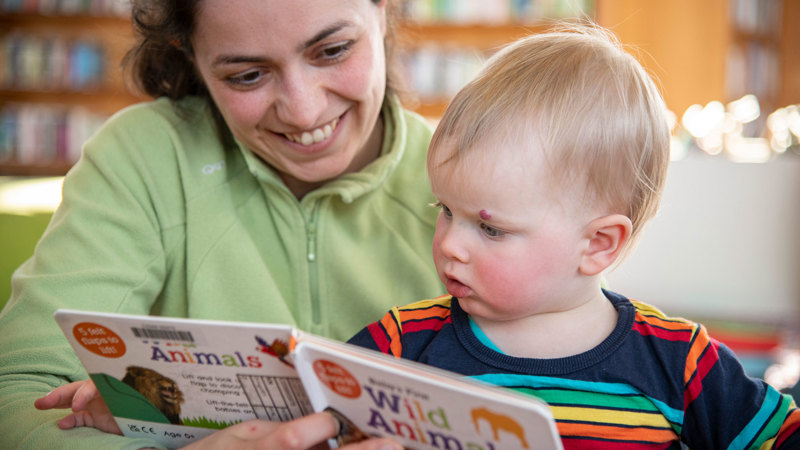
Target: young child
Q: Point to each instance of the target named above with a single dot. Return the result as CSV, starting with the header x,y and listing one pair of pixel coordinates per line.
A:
x,y
546,167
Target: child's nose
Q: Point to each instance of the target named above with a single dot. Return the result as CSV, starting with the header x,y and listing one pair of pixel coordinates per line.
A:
x,y
453,246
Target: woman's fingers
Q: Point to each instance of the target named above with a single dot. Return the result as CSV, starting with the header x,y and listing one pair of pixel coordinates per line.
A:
x,y
86,393
310,431
300,434
88,408
76,419
60,397
374,444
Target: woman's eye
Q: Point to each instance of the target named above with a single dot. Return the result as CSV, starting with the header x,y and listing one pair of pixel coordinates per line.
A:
x,y
491,231
246,79
336,52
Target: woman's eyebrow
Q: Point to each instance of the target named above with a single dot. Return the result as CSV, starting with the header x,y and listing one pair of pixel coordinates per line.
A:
x,y
236,59
334,28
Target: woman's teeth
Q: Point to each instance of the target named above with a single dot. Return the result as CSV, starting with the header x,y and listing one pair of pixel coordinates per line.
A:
x,y
314,136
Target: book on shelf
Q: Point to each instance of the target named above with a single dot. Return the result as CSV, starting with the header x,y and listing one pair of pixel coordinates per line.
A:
x,y
33,133
32,61
178,380
94,8
497,12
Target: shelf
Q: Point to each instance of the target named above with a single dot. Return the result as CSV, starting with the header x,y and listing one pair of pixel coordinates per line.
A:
x,y
689,60
464,35
78,102
102,100
16,168
429,108
748,37
116,32
76,21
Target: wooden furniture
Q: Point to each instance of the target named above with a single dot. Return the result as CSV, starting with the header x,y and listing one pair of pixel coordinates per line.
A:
x,y
687,44
58,71
713,49
478,39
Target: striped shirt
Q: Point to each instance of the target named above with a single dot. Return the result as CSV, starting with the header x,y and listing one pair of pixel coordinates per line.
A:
x,y
655,382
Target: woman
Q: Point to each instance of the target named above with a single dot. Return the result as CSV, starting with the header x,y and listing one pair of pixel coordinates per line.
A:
x,y
276,179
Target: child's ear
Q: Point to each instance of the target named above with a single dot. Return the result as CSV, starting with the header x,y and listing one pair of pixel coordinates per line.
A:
x,y
607,237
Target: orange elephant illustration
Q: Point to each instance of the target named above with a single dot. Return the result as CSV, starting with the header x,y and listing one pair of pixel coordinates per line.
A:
x,y
498,422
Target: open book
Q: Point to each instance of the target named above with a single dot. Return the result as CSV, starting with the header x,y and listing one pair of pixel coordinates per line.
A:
x,y
178,380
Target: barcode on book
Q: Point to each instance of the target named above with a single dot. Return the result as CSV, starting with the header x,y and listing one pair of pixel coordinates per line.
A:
x,y
167,335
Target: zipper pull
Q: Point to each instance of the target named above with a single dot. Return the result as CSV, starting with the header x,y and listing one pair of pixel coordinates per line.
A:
x,y
312,247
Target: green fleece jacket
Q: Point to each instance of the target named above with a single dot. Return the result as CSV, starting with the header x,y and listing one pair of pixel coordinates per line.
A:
x,y
158,217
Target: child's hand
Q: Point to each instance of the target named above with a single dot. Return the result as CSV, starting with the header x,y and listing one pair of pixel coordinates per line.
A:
x,y
88,408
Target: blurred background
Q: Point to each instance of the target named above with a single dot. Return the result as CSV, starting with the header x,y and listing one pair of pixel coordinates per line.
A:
x,y
724,248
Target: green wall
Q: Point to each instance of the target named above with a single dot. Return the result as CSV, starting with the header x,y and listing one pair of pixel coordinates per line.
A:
x,y
18,237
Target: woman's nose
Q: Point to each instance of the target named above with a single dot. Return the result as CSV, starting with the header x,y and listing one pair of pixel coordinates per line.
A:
x,y
301,98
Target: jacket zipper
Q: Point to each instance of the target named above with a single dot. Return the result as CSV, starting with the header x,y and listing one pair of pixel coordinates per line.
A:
x,y
313,268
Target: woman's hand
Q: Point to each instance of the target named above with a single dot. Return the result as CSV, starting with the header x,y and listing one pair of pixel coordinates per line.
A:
x,y
88,408
311,431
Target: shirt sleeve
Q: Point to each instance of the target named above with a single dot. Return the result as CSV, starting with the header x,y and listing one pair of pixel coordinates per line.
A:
x,y
102,251
383,335
725,408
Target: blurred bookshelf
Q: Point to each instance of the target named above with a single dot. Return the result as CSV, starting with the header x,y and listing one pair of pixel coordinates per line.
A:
x,y
713,50
60,74
60,78
445,42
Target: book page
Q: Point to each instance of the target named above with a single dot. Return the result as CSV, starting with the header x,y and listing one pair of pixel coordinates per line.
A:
x,y
423,408
178,380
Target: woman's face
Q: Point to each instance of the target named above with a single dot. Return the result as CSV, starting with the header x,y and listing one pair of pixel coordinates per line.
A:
x,y
300,82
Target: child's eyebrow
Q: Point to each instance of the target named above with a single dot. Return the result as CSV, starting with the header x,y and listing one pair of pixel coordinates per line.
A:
x,y
485,215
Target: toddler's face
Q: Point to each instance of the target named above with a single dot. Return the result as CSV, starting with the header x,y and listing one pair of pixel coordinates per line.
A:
x,y
505,246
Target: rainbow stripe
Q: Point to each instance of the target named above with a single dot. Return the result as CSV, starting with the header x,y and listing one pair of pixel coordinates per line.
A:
x,y
664,381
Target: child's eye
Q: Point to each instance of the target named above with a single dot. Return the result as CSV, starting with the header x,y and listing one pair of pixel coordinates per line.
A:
x,y
491,231
445,210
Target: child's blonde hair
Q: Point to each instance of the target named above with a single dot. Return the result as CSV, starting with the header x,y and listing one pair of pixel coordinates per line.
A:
x,y
589,104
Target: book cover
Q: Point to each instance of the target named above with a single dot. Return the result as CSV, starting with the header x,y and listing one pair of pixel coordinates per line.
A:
x,y
179,380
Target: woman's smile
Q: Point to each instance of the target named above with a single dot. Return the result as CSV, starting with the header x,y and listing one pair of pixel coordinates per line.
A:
x,y
315,136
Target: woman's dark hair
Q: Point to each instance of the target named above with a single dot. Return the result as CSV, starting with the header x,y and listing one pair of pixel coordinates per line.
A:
x,y
160,64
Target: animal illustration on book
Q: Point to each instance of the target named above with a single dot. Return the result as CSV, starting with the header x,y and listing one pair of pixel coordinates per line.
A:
x,y
278,348
176,381
159,390
498,422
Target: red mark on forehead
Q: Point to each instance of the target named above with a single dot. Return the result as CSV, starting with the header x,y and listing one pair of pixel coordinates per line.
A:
x,y
485,214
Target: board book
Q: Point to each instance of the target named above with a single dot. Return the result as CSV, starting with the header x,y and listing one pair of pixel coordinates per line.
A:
x,y
179,380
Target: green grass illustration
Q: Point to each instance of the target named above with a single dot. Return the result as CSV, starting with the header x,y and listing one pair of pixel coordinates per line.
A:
x,y
203,422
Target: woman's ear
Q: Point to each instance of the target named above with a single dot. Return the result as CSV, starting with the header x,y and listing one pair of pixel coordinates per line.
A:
x,y
607,237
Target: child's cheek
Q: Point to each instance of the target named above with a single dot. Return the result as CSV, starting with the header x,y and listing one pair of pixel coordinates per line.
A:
x,y
500,277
